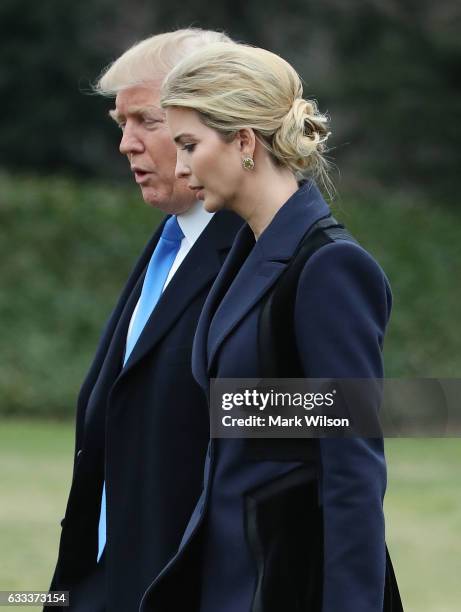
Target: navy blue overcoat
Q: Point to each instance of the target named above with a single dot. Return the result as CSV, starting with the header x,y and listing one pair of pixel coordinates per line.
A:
x,y
143,428
255,531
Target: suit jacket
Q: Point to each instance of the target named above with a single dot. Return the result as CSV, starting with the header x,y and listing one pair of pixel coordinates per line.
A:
x,y
144,429
265,539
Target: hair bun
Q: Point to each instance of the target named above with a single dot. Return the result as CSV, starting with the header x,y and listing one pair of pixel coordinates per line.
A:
x,y
300,140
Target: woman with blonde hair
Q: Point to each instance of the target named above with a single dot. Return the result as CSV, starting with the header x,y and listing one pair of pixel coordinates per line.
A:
x,y
291,524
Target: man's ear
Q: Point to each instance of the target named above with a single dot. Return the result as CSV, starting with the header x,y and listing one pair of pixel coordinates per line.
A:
x,y
246,141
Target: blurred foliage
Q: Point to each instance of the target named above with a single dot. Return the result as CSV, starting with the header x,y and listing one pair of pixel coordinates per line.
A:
x,y
416,241
68,246
66,250
51,51
384,69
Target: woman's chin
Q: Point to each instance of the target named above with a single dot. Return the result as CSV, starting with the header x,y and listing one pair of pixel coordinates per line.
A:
x,y
211,205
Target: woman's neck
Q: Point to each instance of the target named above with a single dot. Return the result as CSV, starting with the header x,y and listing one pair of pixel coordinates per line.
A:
x,y
263,195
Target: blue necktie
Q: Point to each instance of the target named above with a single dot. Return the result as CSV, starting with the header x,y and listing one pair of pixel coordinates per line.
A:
x,y
157,272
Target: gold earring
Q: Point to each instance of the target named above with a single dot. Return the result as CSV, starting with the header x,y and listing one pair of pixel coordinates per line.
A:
x,y
248,163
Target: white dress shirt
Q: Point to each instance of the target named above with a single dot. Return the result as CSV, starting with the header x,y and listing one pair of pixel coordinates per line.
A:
x,y
192,224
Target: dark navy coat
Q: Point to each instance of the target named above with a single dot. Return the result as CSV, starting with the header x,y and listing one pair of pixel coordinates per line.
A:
x,y
255,532
147,425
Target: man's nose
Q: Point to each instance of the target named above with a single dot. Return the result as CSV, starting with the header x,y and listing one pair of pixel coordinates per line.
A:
x,y
130,143
182,170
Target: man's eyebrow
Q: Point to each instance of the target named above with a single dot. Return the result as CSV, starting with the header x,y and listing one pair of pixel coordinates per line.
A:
x,y
181,137
116,116
142,111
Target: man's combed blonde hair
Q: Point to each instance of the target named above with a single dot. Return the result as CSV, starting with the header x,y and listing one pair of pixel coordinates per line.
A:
x,y
237,86
152,59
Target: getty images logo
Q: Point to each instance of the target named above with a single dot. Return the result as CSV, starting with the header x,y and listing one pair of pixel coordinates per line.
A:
x,y
274,399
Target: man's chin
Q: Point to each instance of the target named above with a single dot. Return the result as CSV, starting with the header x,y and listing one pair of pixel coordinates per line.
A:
x,y
155,198
168,203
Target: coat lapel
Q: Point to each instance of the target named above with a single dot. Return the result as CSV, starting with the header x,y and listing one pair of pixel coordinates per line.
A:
x,y
199,268
263,266
244,242
111,344
254,279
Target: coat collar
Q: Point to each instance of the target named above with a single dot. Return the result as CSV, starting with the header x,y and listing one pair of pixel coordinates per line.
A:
x,y
250,270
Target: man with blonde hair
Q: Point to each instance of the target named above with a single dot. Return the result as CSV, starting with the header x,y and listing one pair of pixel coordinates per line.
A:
x,y
142,421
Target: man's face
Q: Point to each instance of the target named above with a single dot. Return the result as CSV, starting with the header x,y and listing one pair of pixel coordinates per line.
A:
x,y
151,153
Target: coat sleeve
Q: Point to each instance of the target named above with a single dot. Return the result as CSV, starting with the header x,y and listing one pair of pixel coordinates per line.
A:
x,y
342,308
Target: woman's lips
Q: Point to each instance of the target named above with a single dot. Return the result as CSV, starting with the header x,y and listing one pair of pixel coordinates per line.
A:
x,y
199,192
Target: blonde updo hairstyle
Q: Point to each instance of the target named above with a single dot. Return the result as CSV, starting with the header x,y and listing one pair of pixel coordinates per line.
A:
x,y
237,86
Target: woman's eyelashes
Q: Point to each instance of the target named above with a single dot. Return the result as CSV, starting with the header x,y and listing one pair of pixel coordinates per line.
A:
x,y
189,147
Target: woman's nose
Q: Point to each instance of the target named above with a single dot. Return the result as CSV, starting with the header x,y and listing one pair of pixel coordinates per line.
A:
x,y
182,170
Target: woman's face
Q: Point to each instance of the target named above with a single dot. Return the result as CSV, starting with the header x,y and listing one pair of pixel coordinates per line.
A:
x,y
211,166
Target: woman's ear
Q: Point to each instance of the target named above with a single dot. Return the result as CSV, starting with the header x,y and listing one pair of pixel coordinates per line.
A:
x,y
246,141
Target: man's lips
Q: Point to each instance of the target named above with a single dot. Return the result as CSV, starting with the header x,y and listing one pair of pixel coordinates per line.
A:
x,y
140,174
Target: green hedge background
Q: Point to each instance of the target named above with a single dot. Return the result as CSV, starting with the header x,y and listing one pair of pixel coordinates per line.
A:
x,y
72,224
67,247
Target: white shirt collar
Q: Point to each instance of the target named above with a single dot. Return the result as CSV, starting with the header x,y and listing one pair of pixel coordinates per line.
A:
x,y
194,221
